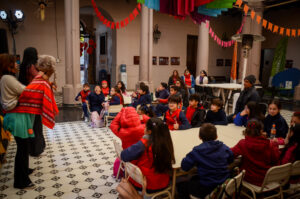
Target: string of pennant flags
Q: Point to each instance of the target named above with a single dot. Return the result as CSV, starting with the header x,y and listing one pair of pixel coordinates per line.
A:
x,y
290,32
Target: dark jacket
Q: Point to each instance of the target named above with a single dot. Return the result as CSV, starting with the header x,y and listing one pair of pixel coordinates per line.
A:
x,y
95,101
211,159
218,118
280,125
198,117
144,99
163,94
115,100
184,97
246,96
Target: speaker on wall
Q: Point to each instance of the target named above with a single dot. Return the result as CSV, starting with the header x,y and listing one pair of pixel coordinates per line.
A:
x,y
3,41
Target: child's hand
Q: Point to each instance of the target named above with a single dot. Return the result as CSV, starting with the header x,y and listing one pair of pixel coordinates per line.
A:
x,y
141,117
176,126
264,134
244,112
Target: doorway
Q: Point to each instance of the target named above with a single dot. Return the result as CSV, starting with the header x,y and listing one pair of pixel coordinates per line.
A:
x,y
191,53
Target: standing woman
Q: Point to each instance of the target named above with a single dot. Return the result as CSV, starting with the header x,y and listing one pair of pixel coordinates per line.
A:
x,y
28,71
201,79
189,81
173,78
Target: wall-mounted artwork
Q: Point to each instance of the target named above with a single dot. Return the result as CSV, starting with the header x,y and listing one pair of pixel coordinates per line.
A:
x,y
228,62
136,60
220,62
175,60
154,60
163,60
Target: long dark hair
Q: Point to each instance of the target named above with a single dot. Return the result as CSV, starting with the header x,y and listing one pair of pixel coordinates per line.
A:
x,y
30,57
147,110
294,139
255,112
118,91
253,128
162,145
182,85
123,88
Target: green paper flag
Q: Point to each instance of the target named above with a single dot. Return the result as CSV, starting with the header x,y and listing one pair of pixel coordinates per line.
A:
x,y
217,4
141,1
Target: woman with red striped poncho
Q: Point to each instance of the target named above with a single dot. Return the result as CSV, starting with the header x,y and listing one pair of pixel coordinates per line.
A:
x,y
36,99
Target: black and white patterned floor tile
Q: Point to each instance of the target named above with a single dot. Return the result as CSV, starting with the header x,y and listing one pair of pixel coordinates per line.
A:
x,y
77,163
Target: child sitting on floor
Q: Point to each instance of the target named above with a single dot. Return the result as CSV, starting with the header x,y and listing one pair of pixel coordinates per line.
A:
x,y
154,155
83,95
274,118
211,158
104,88
195,113
145,97
162,91
174,117
259,154
216,114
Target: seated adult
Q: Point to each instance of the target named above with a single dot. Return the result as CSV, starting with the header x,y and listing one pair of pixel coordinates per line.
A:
x,y
248,94
201,79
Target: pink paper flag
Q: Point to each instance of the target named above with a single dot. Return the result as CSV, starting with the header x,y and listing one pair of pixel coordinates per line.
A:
x,y
215,37
225,44
222,43
207,24
212,34
210,30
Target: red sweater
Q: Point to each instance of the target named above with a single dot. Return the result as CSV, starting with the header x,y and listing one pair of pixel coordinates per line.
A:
x,y
189,113
173,118
259,154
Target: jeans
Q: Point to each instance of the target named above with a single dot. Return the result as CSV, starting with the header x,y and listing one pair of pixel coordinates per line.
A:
x,y
85,109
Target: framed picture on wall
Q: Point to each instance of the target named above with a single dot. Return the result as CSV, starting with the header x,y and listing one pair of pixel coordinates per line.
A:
x,y
220,62
154,60
163,60
175,60
136,60
228,62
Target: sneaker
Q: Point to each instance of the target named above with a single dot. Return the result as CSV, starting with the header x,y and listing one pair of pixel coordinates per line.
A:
x,y
30,171
86,119
29,186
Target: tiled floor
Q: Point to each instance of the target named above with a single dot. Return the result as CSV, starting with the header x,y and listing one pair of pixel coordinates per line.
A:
x,y
77,163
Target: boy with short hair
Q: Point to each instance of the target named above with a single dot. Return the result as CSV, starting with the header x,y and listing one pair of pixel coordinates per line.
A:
x,y
162,91
145,97
216,114
174,117
83,95
211,159
195,113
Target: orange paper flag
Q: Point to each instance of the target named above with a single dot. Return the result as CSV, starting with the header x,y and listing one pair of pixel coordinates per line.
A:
x,y
294,32
288,32
298,32
270,26
264,23
281,31
252,14
258,19
239,3
246,8
275,30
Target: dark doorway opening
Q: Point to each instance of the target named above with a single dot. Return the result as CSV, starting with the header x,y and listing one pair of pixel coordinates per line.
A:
x,y
191,56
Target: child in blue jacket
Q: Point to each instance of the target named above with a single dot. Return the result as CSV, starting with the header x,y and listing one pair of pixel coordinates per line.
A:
x,y
145,97
211,158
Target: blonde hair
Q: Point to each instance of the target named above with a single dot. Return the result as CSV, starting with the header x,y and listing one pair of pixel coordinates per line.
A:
x,y
46,64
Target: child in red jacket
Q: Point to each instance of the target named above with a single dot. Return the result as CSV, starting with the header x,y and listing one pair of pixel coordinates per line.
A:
x,y
153,154
258,153
83,95
104,88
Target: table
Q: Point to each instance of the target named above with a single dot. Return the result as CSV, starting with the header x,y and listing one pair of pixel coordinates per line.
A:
x,y
185,140
221,91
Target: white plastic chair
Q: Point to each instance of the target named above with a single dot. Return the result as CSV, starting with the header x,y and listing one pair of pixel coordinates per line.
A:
x,y
136,174
126,99
118,150
275,178
112,109
295,172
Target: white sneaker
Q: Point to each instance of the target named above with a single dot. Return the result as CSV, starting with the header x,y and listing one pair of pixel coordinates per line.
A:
x,y
86,119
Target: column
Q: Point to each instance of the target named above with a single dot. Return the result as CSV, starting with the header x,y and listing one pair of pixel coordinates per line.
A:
x,y
203,48
150,49
252,27
143,70
72,51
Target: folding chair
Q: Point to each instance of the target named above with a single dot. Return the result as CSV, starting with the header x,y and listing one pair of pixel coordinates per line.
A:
x,y
136,174
127,99
229,189
112,109
295,172
119,149
276,177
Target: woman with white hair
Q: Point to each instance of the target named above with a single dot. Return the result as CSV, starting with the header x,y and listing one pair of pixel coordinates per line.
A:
x,y
36,99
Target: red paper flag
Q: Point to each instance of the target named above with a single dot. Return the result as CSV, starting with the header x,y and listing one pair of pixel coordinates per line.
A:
x,y
139,6
117,25
288,32
275,30
239,3
264,23
131,17
252,14
126,21
105,21
112,25
298,32
246,8
108,24
294,32
281,31
102,18
135,12
258,19
270,26
122,24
